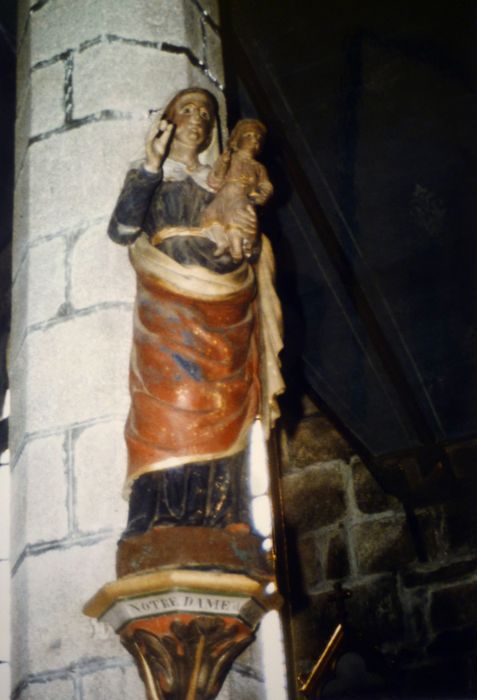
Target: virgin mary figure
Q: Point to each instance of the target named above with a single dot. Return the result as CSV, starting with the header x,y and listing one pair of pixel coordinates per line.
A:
x,y
204,360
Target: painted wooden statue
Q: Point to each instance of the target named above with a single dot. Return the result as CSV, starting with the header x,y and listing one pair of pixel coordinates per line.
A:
x,y
206,329
193,579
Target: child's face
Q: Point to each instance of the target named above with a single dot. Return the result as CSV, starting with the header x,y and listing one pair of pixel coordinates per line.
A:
x,y
250,141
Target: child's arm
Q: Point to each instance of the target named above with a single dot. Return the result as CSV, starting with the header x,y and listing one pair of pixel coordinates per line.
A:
x,y
264,189
219,170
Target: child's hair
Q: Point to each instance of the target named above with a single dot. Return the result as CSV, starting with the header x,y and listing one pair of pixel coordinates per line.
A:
x,y
241,127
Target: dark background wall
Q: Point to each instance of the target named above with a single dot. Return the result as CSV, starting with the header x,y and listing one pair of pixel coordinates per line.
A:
x,y
371,108
371,112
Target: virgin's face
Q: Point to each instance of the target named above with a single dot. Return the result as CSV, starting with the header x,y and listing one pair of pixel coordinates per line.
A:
x,y
193,120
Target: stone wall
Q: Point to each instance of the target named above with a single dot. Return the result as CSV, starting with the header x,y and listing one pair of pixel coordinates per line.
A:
x,y
420,616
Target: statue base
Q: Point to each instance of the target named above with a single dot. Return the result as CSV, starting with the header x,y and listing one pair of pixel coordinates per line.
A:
x,y
234,549
184,627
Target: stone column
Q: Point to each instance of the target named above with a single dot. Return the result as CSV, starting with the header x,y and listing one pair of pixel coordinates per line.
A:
x,y
88,73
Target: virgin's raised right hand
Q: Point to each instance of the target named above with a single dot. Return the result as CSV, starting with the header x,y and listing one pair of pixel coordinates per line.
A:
x,y
157,142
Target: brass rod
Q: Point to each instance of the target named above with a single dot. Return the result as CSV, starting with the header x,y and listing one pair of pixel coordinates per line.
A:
x,y
148,677
194,676
310,683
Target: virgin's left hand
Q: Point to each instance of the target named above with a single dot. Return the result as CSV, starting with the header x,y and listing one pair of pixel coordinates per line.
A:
x,y
218,235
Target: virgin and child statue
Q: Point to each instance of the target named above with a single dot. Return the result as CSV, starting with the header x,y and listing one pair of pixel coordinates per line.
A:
x,y
204,361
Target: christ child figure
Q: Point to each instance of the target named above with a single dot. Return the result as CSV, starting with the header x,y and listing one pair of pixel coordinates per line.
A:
x,y
241,183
